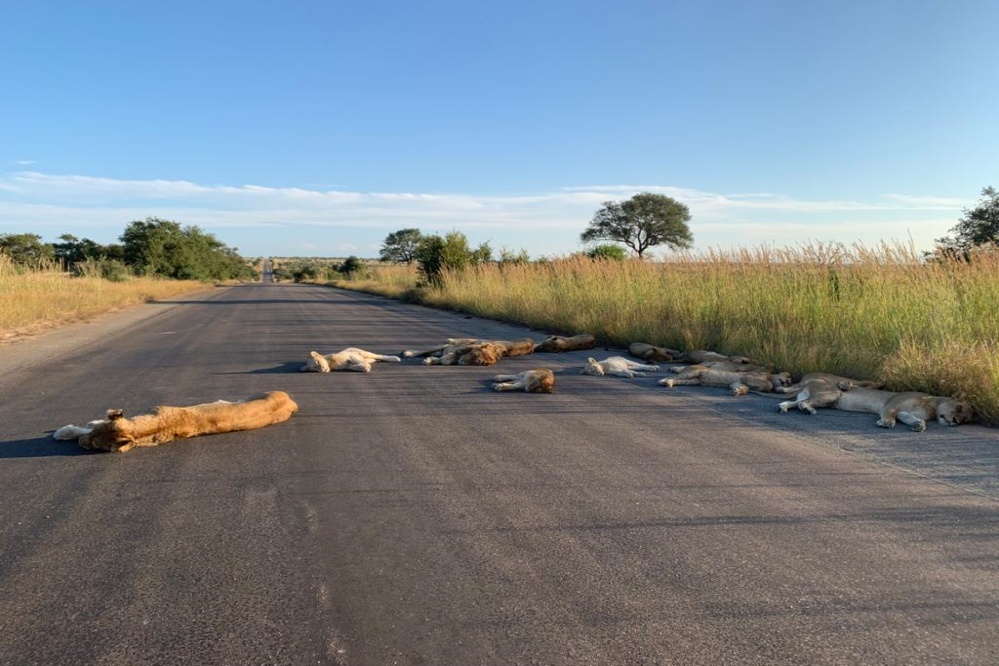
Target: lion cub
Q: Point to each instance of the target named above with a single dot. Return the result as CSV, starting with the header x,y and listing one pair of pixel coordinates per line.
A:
x,y
539,380
618,366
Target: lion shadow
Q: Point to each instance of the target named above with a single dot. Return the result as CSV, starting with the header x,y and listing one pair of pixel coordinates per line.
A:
x,y
42,447
281,368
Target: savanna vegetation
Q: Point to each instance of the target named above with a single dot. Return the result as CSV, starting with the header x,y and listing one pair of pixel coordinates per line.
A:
x,y
918,323
46,284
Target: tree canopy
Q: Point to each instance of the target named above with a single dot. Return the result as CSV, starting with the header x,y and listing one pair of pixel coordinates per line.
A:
x,y
401,246
646,220
977,227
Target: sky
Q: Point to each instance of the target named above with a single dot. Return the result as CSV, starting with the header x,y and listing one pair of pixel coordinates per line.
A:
x,y
318,128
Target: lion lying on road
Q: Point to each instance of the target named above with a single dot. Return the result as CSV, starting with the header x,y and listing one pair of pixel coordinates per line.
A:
x,y
539,380
618,366
473,351
165,424
648,352
558,343
351,358
738,382
819,389
912,408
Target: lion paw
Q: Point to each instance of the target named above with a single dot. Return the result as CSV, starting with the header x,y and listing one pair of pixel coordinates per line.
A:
x,y
886,423
918,426
845,385
666,382
808,409
739,389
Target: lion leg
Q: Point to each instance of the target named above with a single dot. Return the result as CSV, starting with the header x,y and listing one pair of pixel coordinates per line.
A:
x,y
504,378
738,388
358,367
915,423
508,386
679,381
627,373
786,405
385,358
409,353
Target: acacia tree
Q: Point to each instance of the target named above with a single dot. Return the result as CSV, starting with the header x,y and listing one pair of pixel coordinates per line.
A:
x,y
641,222
400,246
979,226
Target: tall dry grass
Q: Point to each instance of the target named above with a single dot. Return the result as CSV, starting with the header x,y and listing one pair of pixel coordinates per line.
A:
x,y
37,298
864,312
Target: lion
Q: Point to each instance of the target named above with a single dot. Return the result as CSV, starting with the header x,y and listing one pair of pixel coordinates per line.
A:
x,y
166,424
820,389
737,381
618,366
700,356
539,380
351,358
558,343
912,408
473,351
648,352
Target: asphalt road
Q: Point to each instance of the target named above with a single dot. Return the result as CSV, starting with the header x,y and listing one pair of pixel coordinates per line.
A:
x,y
413,516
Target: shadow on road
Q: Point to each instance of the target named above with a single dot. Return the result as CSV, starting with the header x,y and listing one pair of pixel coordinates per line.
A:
x,y
41,447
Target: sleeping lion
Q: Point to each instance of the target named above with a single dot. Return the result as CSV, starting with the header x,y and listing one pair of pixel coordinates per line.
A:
x,y
558,343
472,351
351,358
738,382
912,408
165,424
619,366
539,380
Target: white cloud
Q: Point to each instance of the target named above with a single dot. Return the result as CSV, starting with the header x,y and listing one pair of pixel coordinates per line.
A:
x,y
274,215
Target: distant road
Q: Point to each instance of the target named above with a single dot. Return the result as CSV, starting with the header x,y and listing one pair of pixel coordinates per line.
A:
x,y
414,516
267,273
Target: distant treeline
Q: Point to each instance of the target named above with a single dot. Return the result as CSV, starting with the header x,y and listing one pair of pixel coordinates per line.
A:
x,y
148,248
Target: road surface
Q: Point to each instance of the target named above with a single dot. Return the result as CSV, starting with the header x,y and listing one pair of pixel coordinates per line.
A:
x,y
413,516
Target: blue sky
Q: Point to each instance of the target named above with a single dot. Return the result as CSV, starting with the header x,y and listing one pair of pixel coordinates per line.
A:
x,y
317,128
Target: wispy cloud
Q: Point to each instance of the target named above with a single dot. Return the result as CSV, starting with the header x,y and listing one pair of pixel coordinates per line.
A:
x,y
555,218
25,162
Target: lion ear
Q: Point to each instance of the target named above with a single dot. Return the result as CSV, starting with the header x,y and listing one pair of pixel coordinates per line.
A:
x,y
591,360
115,414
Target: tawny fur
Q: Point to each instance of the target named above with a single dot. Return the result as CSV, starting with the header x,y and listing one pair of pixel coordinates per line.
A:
x,y
619,366
558,343
819,389
473,351
699,356
351,358
539,380
165,424
648,352
910,407
737,381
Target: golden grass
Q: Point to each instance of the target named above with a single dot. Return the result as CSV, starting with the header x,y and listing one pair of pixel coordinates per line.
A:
x,y
870,313
34,300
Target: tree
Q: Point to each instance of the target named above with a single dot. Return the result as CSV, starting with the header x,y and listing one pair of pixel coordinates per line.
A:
x,y
435,255
607,251
641,222
400,246
979,226
27,249
164,248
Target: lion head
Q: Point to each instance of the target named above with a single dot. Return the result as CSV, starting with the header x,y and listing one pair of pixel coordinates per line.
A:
x,y
593,367
486,353
316,363
108,435
954,411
